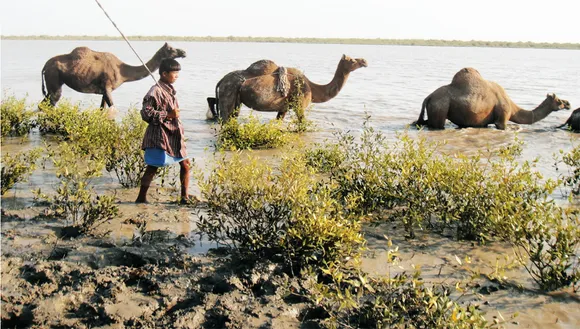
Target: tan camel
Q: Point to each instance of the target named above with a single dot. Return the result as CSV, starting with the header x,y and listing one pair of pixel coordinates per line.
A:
x,y
573,121
471,101
226,89
93,72
263,93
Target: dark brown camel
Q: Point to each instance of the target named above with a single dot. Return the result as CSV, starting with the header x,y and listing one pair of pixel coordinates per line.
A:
x,y
263,93
471,101
93,72
573,121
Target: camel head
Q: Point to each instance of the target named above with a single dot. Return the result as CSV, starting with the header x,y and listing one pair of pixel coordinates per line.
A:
x,y
557,103
169,52
349,64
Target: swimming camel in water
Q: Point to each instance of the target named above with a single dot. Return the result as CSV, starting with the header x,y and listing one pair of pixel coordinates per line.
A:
x,y
92,72
573,121
268,88
471,101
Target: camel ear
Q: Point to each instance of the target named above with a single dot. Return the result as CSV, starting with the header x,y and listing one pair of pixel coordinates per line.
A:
x,y
343,56
166,44
552,95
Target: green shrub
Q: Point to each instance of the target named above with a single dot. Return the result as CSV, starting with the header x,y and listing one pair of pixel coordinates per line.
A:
x,y
56,119
250,133
118,144
125,158
572,160
75,199
282,212
324,158
18,167
482,197
298,122
354,300
15,117
549,238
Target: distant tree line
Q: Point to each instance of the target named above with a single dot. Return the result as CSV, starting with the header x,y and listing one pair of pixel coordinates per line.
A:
x,y
355,41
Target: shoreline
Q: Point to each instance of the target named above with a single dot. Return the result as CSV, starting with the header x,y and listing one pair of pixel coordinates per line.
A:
x,y
350,41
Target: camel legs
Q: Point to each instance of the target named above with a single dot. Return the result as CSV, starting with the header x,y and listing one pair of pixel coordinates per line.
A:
x,y
228,103
502,118
281,115
112,111
107,98
436,116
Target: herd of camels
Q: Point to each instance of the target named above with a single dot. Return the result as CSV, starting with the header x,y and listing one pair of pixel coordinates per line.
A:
x,y
468,101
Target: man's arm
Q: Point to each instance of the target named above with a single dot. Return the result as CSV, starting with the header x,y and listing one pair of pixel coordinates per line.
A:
x,y
150,112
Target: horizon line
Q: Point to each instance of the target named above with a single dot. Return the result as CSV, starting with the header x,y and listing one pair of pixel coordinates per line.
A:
x,y
363,41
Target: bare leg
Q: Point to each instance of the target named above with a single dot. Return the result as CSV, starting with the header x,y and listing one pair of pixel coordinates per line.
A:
x,y
184,179
148,176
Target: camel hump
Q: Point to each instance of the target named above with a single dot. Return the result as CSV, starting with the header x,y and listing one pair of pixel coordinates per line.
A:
x,y
261,67
466,76
80,52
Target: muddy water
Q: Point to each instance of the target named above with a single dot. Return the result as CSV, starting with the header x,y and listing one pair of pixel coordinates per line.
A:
x,y
390,90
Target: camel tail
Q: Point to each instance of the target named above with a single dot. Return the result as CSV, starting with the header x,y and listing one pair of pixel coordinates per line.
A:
x,y
213,109
421,121
42,78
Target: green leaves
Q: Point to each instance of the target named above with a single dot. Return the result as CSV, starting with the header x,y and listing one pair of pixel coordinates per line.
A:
x,y
277,211
18,167
16,118
250,133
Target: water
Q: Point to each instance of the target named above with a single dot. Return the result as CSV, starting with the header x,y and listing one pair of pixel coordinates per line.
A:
x,y
391,89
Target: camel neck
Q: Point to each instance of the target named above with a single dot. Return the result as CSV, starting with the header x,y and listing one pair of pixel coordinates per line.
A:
x,y
528,117
133,73
324,93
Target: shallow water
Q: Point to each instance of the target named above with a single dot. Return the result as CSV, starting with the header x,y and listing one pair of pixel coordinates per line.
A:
x,y
391,89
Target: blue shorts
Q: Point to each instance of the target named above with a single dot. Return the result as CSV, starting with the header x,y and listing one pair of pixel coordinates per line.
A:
x,y
159,158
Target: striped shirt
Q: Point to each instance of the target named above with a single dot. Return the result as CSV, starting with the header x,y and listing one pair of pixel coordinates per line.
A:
x,y
162,133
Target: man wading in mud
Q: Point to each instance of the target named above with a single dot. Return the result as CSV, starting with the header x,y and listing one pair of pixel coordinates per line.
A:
x,y
164,143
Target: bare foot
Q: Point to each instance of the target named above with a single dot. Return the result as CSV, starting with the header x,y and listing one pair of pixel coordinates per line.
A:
x,y
190,199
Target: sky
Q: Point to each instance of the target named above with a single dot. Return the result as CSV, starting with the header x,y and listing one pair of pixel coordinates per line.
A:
x,y
491,20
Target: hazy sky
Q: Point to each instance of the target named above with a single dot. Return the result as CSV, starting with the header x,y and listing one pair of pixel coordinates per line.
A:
x,y
498,20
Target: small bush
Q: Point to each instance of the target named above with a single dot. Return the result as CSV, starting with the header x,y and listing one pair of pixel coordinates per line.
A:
x,y
75,199
18,167
572,178
15,117
125,158
250,133
324,158
56,119
298,122
354,300
549,238
280,212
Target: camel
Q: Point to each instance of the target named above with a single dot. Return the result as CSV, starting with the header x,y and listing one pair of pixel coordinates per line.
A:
x,y
228,86
471,101
573,121
93,72
271,91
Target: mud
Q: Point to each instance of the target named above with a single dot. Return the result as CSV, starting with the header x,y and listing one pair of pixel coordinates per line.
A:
x,y
150,282
153,271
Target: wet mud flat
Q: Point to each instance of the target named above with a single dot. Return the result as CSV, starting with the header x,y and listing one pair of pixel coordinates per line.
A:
x,y
158,276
